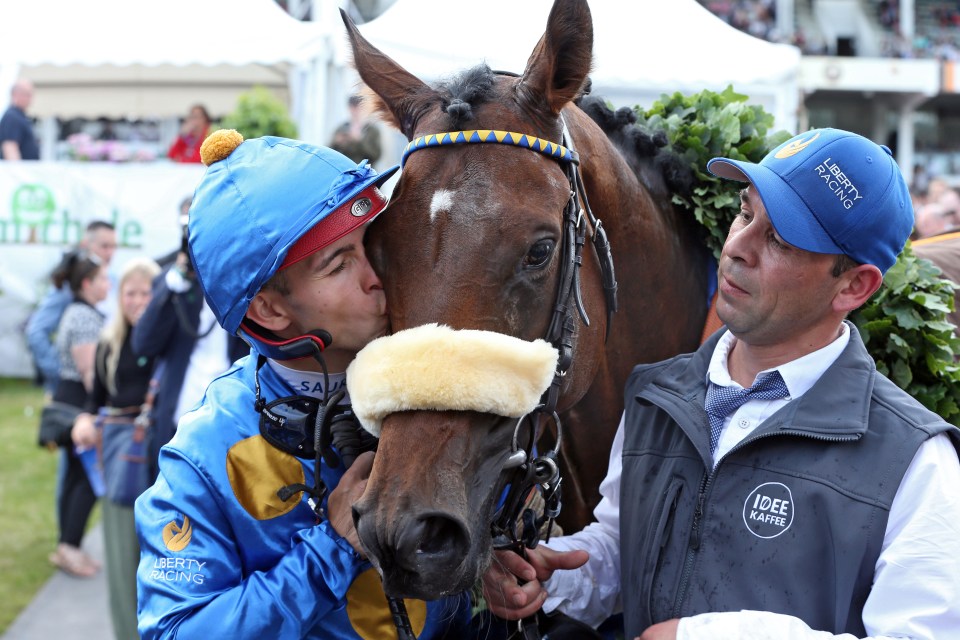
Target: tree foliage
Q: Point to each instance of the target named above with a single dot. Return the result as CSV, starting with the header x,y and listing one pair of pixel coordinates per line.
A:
x,y
260,113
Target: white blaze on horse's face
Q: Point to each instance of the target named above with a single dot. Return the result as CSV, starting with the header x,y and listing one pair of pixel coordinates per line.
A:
x,y
557,183
442,201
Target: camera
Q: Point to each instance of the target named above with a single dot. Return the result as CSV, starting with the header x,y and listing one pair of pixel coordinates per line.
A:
x,y
187,266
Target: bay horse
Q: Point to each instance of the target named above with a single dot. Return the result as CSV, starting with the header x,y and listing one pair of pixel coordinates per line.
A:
x,y
474,238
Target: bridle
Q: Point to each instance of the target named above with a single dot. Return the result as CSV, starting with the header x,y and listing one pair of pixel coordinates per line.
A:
x,y
532,470
560,331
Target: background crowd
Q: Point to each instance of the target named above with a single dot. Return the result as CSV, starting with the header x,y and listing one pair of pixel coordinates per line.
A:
x,y
129,348
936,34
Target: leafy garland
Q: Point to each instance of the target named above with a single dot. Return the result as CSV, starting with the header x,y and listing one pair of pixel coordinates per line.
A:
x,y
904,325
708,125
906,330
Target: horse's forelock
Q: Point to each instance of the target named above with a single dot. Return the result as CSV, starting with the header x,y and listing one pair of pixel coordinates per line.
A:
x,y
464,91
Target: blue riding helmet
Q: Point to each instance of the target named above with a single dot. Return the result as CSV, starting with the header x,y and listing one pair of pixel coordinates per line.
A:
x,y
262,205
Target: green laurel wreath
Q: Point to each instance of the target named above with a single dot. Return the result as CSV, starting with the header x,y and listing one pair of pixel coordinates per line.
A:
x,y
904,325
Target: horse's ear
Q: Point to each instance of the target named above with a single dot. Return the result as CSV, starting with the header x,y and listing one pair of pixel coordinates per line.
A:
x,y
402,95
560,62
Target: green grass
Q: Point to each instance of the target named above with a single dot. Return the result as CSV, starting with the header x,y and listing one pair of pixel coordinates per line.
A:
x,y
28,532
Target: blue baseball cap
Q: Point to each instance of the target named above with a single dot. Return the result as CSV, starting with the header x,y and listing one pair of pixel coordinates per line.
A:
x,y
264,204
831,191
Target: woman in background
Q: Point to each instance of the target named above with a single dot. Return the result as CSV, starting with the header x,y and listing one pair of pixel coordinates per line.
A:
x,y
120,386
76,342
193,131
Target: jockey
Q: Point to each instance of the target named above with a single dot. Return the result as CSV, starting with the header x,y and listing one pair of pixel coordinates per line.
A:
x,y
248,531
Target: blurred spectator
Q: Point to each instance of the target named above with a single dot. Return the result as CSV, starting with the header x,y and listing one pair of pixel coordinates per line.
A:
x,y
100,239
120,384
179,330
944,251
937,38
888,11
756,17
940,213
17,141
921,179
357,138
76,342
193,131
936,188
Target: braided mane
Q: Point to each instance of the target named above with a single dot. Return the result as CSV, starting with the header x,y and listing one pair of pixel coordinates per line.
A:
x,y
641,146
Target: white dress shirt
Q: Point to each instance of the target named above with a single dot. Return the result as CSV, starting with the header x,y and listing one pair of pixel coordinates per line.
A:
x,y
916,589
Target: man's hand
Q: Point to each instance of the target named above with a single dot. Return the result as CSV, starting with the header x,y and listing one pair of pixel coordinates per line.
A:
x,y
348,491
510,600
661,631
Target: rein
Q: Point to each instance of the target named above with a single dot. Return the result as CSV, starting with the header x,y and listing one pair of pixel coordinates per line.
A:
x,y
532,470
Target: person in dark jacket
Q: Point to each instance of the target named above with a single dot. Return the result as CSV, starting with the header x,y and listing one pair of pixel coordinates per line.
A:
x,y
17,141
180,331
774,484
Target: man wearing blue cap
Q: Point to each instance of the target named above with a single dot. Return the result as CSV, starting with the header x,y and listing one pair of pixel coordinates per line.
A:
x,y
248,531
773,484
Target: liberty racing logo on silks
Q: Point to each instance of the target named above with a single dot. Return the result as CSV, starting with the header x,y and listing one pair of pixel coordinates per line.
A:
x,y
176,538
768,510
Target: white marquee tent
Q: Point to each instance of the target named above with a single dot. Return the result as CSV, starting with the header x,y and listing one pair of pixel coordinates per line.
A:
x,y
642,48
128,58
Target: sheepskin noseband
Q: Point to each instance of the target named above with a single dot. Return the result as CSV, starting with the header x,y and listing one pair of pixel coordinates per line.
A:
x,y
438,368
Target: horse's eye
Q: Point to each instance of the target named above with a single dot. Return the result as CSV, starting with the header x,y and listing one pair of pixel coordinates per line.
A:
x,y
539,254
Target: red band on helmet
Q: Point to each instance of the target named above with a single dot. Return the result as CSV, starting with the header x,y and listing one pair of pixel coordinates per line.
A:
x,y
344,219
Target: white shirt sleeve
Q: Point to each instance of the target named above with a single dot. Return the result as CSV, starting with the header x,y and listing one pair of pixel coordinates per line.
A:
x,y
755,625
592,592
916,588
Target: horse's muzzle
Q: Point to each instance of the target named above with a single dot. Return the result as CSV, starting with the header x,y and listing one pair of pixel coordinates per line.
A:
x,y
425,556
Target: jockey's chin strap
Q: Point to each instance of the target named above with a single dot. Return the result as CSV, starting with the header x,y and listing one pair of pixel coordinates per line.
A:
x,y
531,470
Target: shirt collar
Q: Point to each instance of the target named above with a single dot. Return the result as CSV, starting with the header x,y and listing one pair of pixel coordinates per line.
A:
x,y
799,375
309,383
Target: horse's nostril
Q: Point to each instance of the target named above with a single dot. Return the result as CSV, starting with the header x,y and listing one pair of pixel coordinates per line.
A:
x,y
441,538
441,534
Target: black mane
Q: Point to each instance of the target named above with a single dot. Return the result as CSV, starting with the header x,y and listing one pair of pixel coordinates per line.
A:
x,y
641,146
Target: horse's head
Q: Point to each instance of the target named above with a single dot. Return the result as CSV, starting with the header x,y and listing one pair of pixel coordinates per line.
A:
x,y
473,239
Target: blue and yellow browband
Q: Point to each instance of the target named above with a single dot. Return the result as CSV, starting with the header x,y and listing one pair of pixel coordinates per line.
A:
x,y
552,149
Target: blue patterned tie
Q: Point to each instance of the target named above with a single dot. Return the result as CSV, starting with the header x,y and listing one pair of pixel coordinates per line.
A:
x,y
722,401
